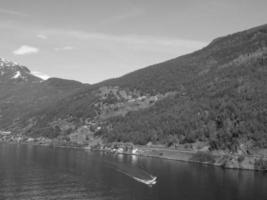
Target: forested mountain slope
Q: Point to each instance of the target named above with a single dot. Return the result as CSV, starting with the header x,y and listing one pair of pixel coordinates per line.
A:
x,y
21,92
222,96
217,94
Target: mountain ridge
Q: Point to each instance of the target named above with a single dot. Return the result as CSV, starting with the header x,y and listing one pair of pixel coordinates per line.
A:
x,y
21,92
215,95
13,71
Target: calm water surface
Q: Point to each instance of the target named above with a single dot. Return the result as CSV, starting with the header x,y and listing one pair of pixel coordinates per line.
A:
x,y
34,172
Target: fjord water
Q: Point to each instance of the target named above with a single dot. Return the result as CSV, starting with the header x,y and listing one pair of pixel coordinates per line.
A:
x,y
36,172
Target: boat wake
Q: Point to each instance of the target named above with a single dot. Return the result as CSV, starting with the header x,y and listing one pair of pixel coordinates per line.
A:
x,y
135,173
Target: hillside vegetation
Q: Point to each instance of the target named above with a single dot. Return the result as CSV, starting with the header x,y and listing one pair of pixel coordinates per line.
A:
x,y
22,93
216,95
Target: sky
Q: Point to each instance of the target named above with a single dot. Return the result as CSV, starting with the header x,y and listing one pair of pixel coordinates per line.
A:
x,y
93,40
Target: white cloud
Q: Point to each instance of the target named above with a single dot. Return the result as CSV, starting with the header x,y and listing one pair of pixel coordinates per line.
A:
x,y
40,75
25,49
141,41
65,48
12,12
41,36
138,40
123,53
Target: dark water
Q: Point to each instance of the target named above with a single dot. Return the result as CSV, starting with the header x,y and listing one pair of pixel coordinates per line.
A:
x,y
34,172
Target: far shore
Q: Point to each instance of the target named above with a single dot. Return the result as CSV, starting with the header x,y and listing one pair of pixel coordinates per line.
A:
x,y
218,159
211,158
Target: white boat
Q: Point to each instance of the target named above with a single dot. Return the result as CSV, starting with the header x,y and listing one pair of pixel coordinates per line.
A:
x,y
152,181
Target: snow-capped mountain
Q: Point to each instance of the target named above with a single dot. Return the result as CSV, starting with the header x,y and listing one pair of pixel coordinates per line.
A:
x,y
23,92
12,71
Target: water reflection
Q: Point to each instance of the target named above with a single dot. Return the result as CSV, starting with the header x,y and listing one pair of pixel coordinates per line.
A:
x,y
134,159
120,157
31,172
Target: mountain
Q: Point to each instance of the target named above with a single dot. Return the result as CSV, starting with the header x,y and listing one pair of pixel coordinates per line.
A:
x,y
63,84
170,75
13,72
21,92
217,95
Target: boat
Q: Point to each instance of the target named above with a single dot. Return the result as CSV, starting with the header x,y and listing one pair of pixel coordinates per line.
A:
x,y
150,182
134,172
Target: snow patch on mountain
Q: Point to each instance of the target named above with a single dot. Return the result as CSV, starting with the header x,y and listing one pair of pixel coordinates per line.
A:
x,y
40,75
17,75
6,64
13,70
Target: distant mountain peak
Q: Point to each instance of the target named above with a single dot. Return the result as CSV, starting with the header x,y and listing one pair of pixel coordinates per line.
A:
x,y
12,71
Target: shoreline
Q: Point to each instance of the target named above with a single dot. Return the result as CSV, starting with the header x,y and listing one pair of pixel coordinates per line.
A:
x,y
224,161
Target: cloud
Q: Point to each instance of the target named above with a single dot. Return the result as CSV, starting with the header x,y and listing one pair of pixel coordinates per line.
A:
x,y
131,40
25,49
41,36
137,40
65,48
123,53
40,75
12,12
